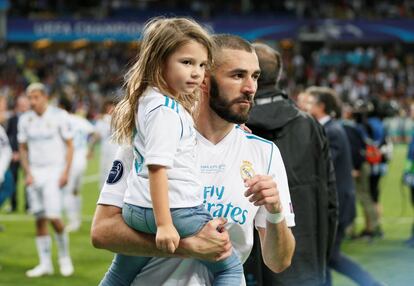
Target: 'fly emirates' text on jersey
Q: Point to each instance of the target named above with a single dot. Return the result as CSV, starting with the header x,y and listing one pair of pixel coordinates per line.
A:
x,y
220,169
82,128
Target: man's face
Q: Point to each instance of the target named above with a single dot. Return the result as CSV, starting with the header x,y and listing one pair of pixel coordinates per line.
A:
x,y
38,101
233,85
23,104
305,101
316,109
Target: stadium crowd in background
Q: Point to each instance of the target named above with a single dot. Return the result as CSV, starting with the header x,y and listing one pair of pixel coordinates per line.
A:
x,y
375,84
88,75
209,9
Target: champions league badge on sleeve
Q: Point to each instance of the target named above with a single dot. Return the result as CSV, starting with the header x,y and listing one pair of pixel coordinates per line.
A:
x,y
246,170
116,172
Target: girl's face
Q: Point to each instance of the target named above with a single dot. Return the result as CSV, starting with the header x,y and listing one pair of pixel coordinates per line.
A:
x,y
185,68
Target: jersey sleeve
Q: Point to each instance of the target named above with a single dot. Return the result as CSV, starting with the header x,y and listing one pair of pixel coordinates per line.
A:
x,y
98,128
278,172
163,129
113,190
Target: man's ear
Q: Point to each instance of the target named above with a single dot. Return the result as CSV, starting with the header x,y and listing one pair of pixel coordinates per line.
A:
x,y
205,85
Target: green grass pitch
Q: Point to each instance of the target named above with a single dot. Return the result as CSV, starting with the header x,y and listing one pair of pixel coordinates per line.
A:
x,y
387,259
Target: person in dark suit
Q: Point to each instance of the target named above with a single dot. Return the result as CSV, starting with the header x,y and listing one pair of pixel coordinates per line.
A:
x,y
305,152
325,108
21,106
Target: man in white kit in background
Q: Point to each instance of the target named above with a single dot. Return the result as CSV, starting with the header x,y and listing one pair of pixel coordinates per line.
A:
x,y
46,151
72,200
243,180
103,134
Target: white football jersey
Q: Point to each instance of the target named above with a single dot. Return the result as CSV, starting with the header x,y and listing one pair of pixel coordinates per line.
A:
x,y
221,169
164,136
108,148
45,136
82,128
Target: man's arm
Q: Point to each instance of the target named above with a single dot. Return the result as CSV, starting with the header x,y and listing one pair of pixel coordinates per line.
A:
x,y
277,241
109,231
68,162
24,161
278,245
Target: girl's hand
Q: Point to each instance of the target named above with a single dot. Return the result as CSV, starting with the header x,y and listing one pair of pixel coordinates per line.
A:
x,y
167,238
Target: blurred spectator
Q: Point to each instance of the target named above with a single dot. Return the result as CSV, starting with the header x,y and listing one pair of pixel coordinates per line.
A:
x,y
21,106
45,145
103,135
72,200
361,170
305,151
409,179
326,108
376,138
6,179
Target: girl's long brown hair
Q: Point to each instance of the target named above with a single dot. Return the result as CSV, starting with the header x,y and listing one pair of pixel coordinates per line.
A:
x,y
161,37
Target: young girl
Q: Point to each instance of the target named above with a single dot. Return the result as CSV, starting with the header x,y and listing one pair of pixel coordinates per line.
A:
x,y
163,194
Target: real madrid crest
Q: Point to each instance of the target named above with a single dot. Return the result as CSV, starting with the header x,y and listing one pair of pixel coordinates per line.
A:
x,y
246,170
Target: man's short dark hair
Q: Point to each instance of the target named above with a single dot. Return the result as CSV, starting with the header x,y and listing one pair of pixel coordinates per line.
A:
x,y
228,41
270,62
65,104
232,42
108,103
328,97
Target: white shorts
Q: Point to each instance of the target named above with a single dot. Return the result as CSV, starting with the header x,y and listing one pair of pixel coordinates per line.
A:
x,y
75,178
44,195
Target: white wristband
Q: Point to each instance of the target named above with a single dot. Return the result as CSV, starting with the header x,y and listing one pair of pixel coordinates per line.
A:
x,y
275,218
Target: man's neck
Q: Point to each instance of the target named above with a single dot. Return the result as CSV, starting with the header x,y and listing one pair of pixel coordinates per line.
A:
x,y
212,126
41,111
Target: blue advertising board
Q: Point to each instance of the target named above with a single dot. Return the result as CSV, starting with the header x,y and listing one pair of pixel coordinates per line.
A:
x,y
23,30
4,4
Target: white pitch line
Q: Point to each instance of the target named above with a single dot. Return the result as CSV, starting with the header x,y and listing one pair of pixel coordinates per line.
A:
x,y
91,178
23,217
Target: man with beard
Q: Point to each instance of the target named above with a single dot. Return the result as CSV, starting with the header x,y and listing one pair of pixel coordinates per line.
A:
x,y
230,162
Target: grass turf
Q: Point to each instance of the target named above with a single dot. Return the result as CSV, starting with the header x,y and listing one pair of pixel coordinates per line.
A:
x,y
387,259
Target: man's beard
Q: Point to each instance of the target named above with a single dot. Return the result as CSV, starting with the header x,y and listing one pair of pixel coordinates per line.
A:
x,y
222,107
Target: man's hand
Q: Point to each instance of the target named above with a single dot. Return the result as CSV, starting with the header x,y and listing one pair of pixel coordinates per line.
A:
x,y
262,191
167,238
28,180
63,180
109,231
356,173
212,243
16,157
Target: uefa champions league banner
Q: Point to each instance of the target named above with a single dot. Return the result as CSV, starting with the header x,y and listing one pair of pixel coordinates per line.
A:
x,y
23,30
